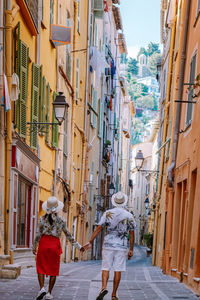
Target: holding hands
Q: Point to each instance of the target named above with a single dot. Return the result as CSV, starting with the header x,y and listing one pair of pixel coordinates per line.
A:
x,y
87,246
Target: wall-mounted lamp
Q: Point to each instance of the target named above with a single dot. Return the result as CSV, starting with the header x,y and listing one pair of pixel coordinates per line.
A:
x,y
139,159
59,107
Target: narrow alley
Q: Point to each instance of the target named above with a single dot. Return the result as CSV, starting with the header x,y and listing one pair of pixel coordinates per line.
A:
x,y
83,281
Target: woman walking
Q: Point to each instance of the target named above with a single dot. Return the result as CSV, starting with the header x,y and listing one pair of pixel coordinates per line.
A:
x,y
48,236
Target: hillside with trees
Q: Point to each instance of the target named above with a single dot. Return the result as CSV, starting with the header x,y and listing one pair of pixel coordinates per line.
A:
x,y
145,102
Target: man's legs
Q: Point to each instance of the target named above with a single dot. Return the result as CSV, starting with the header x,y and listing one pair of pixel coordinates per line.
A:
x,y
105,277
116,281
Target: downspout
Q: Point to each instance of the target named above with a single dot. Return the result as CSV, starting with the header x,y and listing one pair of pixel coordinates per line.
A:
x,y
180,92
84,160
73,110
8,71
166,117
2,140
57,88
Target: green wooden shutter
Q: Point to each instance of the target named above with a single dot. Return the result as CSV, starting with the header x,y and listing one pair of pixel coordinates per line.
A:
x,y
34,103
23,81
43,101
41,96
191,91
47,114
54,140
100,118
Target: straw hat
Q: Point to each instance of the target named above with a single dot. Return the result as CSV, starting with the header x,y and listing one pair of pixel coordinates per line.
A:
x,y
52,205
119,199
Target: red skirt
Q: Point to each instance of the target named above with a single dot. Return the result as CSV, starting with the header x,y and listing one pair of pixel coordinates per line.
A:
x,y
48,255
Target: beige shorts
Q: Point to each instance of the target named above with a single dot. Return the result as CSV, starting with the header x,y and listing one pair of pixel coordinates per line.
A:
x,y
115,259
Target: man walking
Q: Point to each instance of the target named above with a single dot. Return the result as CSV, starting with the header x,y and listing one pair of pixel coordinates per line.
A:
x,y
118,223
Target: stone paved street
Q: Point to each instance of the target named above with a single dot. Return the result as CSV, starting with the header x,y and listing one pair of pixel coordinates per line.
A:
x,y
83,281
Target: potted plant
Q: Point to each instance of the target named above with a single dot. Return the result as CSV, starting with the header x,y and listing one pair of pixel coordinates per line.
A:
x,y
148,238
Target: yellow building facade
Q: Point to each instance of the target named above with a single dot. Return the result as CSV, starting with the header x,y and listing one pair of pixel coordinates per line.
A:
x,y
43,159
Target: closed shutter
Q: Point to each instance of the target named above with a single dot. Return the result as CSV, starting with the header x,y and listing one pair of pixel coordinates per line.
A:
x,y
77,79
198,7
43,101
95,108
65,134
100,118
47,114
54,127
23,79
92,100
78,16
191,91
40,95
91,185
34,103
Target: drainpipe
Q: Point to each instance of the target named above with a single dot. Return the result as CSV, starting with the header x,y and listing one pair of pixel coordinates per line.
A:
x,y
84,160
180,92
8,71
2,143
166,118
57,88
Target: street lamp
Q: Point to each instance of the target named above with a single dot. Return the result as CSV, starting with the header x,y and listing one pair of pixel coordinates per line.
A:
x,y
111,189
59,106
139,160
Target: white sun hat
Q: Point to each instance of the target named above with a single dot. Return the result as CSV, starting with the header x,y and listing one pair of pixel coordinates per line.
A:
x,y
119,199
52,205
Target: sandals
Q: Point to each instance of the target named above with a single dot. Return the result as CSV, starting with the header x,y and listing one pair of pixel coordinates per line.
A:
x,y
102,294
115,298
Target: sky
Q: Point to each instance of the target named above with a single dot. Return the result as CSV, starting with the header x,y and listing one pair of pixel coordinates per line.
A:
x,y
141,23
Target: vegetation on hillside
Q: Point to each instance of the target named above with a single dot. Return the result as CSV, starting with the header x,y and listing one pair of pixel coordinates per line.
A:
x,y
145,103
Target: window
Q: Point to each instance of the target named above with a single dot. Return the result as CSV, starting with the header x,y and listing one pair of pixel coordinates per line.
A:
x,y
198,7
23,60
96,35
93,117
47,113
78,16
91,184
34,103
23,213
191,90
51,12
77,79
68,57
100,110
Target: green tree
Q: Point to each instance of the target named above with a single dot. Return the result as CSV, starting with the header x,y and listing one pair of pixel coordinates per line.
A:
x,y
132,66
152,48
155,103
152,62
145,102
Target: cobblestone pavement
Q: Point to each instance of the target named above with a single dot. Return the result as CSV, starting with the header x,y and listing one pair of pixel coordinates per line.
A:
x,y
82,281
